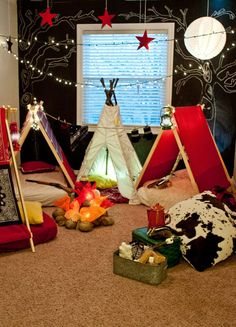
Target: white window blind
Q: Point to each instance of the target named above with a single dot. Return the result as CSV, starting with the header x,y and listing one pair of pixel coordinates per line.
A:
x,y
143,87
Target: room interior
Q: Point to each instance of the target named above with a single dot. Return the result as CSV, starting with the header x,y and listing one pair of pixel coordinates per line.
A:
x,y
61,249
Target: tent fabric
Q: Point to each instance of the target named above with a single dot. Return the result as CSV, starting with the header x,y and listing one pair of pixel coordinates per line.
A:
x,y
9,213
142,145
234,173
204,159
4,156
161,158
45,123
111,134
73,140
48,134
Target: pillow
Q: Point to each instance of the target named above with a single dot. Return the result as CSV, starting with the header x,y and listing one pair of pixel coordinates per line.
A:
x,y
102,182
36,167
207,229
34,212
180,189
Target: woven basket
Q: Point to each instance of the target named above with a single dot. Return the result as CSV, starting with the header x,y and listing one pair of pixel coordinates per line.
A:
x,y
172,251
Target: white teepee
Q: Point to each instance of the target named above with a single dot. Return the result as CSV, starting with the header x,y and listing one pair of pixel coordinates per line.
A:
x,y
111,135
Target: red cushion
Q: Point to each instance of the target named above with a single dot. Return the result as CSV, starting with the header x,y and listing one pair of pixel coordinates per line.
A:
x,y
44,232
13,233
16,237
36,167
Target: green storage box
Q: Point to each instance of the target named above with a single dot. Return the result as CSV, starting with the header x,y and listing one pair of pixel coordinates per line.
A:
x,y
171,251
146,273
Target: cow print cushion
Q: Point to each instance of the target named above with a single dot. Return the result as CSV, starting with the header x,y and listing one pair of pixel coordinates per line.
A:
x,y
207,228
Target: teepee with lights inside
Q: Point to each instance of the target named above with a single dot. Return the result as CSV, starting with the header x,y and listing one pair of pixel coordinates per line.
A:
x,y
110,136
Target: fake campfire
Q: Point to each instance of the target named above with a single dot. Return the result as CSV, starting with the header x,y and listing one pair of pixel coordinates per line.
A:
x,y
83,209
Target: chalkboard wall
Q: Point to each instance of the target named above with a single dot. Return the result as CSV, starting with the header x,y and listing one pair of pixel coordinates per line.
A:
x,y
217,92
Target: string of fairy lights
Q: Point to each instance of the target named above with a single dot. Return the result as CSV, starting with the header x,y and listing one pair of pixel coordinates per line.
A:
x,y
7,43
65,43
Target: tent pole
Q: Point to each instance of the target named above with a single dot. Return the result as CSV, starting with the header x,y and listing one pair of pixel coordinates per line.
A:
x,y
185,159
19,186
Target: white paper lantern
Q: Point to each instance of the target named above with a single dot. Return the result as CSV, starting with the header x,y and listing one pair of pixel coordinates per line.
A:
x,y
205,38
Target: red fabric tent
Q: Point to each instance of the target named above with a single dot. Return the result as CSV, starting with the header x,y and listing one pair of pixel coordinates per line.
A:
x,y
202,157
15,235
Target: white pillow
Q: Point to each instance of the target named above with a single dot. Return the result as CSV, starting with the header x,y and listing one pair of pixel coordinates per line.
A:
x,y
45,194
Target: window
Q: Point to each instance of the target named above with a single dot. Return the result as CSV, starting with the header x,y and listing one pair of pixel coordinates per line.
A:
x,y
145,76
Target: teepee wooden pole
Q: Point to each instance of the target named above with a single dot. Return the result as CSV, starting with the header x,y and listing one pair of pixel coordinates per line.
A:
x,y
185,159
19,186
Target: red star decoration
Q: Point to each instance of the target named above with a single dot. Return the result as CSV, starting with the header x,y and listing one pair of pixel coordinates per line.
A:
x,y
144,40
47,17
106,18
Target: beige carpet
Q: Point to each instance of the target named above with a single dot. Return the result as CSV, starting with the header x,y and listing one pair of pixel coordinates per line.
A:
x,y
70,282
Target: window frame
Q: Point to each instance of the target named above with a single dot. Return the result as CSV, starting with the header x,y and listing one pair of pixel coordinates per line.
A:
x,y
136,28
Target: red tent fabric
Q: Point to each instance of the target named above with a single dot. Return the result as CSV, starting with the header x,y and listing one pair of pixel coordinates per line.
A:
x,y
161,158
4,157
201,151
204,158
